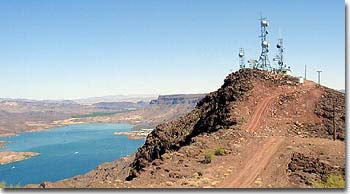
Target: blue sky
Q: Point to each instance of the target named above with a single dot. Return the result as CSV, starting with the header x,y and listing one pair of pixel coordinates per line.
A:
x,y
52,49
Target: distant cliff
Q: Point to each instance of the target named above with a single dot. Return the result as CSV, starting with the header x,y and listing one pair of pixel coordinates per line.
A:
x,y
119,105
178,99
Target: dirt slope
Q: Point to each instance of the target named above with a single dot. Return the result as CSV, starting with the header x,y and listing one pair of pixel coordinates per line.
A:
x,y
254,165
213,113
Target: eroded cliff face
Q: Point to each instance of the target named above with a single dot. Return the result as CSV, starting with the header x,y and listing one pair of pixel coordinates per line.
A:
x,y
324,110
214,112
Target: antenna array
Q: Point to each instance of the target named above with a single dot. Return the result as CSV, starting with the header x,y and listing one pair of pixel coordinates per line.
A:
x,y
263,61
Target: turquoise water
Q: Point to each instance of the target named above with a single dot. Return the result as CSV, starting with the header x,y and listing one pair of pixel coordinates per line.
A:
x,y
66,151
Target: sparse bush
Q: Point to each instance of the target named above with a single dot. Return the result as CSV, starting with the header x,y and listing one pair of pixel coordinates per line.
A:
x,y
322,152
333,181
200,173
3,185
220,151
208,157
14,186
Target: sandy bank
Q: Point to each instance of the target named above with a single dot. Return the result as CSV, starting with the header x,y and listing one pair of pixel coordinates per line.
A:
x,y
2,144
11,156
7,134
138,134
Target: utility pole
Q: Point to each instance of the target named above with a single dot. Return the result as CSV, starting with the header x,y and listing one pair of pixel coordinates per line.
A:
x,y
334,129
305,73
319,77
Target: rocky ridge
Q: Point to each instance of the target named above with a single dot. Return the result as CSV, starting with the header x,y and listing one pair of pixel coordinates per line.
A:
x,y
214,112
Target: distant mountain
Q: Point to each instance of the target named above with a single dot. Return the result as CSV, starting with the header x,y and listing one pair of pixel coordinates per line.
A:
x,y
24,100
119,105
342,91
117,98
178,99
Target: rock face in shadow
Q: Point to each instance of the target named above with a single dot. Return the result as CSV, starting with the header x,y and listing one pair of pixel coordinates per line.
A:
x,y
324,109
214,112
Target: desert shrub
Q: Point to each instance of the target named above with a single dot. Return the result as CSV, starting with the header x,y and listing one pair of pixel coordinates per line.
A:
x,y
220,151
208,157
14,186
333,181
3,185
322,151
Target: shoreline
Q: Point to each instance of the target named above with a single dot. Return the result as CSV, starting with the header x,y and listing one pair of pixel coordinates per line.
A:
x,y
135,124
2,144
8,134
7,157
136,134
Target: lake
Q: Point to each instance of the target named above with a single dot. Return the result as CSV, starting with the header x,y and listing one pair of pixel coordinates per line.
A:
x,y
66,151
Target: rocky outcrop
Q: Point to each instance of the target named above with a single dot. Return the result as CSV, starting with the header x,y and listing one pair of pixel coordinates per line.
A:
x,y
178,99
308,169
214,112
324,109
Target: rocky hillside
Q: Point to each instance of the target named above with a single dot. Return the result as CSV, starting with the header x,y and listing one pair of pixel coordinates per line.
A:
x,y
325,110
214,112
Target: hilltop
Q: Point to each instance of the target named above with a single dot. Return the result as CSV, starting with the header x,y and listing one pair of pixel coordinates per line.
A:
x,y
258,129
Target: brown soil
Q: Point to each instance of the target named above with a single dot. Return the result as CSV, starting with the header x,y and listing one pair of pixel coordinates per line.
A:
x,y
253,167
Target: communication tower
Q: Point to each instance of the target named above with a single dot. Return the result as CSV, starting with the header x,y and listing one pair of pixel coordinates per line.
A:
x,y
241,58
264,62
281,66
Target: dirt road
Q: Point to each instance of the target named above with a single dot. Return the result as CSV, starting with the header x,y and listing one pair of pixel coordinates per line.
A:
x,y
254,165
255,119
252,168
258,160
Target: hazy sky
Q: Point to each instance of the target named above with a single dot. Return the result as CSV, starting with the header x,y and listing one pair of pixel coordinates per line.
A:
x,y
54,49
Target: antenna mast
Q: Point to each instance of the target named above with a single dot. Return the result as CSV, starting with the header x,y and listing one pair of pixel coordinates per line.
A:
x,y
241,58
281,66
264,62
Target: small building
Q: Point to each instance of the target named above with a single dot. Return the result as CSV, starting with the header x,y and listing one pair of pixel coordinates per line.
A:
x,y
301,79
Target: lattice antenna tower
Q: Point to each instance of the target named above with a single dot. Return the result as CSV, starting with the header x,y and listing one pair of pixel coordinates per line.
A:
x,y
264,62
241,58
280,57
281,65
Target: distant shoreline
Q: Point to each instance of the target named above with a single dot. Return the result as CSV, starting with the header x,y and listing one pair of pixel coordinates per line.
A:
x,y
8,134
7,157
70,121
2,144
137,134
